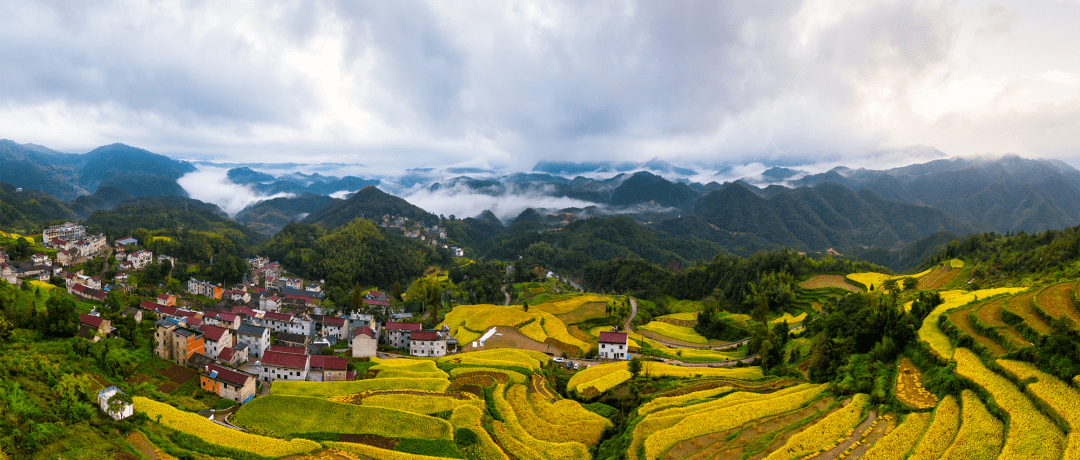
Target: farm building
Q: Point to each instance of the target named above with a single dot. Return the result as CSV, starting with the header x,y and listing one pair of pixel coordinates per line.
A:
x,y
613,345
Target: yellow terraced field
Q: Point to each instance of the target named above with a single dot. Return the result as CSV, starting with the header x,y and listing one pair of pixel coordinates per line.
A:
x,y
684,334
1062,398
932,335
1024,305
1055,301
939,436
528,359
1030,434
826,433
897,443
990,313
560,307
980,434
822,281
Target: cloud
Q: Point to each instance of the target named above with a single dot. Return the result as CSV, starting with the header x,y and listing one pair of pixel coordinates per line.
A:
x,y
426,83
212,185
462,202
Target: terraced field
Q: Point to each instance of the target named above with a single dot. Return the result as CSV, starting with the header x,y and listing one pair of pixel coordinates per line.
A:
x,y
1024,306
823,281
990,314
1056,302
960,318
938,277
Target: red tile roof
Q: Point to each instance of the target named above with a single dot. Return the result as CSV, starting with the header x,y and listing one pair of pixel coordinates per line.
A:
x,y
365,331
148,305
339,322
291,361
164,296
394,325
278,316
166,310
193,321
613,337
228,375
329,362
287,350
80,288
227,317
212,332
424,335
226,354
187,313
90,320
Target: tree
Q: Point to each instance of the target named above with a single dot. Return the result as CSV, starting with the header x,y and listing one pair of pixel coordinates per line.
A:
x,y
357,302
6,329
61,318
910,283
634,366
525,306
117,402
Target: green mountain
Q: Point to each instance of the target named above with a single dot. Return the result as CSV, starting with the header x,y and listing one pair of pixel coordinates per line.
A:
x,y
166,215
270,216
368,203
26,211
645,187
824,216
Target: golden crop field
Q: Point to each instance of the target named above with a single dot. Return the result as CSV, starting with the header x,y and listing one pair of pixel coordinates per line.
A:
x,y
564,306
408,368
980,434
604,377
686,316
1030,433
584,431
695,397
897,443
563,411
374,452
470,417
332,389
213,433
932,335
1062,398
826,433
515,377
468,322
822,281
524,444
496,357
681,333
791,320
942,431
909,387
1055,301
419,404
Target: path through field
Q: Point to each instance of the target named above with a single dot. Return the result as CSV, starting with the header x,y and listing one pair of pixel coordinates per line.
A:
x,y
507,294
633,313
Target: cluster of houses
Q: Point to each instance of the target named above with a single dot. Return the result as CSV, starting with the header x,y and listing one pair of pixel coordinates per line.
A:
x,y
39,267
75,246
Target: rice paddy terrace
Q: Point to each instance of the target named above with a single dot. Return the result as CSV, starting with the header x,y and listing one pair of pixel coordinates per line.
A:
x,y
509,402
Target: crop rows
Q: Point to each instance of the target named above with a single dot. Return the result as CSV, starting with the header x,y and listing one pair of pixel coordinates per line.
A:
x,y
980,434
309,415
1056,302
897,443
563,411
1024,305
696,397
909,388
941,433
500,357
522,444
960,318
424,405
791,320
584,431
332,389
990,314
681,333
560,307
1062,398
366,451
1031,434
821,281
512,376
213,433
932,335
712,412
824,434
937,277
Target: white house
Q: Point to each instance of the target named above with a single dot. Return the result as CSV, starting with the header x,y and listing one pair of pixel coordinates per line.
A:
x,y
613,345
335,327
103,400
427,343
256,338
276,365
397,333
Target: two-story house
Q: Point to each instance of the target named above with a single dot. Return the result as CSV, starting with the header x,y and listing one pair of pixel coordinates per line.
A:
x,y
397,333
227,383
613,345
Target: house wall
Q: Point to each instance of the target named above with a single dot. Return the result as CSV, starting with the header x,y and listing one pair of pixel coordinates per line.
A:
x,y
364,346
272,373
612,351
427,348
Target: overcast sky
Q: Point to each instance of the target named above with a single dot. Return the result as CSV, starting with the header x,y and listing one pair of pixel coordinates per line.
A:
x,y
504,84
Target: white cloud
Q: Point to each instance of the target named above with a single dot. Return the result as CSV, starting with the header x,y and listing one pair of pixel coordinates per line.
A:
x,y
212,185
463,203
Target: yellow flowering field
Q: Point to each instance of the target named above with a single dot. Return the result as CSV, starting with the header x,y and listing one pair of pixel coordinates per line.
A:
x,y
932,335
331,389
213,433
584,431
685,334
791,320
289,415
499,357
686,316
594,372
897,443
665,418
467,323
825,433
980,434
941,433
1030,435
514,377
527,445
722,419
1062,398
563,410
695,397
604,377
560,307
423,405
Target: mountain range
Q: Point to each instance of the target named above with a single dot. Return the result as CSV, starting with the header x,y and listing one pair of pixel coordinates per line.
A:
x,y
873,214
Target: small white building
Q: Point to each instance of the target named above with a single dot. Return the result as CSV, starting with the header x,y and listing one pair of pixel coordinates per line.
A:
x,y
103,400
613,345
427,343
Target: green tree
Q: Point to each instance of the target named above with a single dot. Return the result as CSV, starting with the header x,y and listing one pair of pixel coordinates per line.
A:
x,y
117,402
61,318
6,329
634,366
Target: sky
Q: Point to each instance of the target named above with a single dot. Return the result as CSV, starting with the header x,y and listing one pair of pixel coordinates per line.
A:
x,y
408,84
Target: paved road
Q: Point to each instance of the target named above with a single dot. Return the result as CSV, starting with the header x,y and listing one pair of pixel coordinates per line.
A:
x,y
633,313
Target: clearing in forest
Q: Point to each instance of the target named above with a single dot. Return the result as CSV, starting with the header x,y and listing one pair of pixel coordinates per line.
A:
x,y
822,281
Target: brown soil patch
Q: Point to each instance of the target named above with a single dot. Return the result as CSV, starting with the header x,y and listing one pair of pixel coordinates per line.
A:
x,y
820,281
909,387
960,318
137,440
471,389
1055,301
358,398
736,447
567,350
990,313
369,439
512,338
168,387
178,374
1024,305
938,278
885,424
